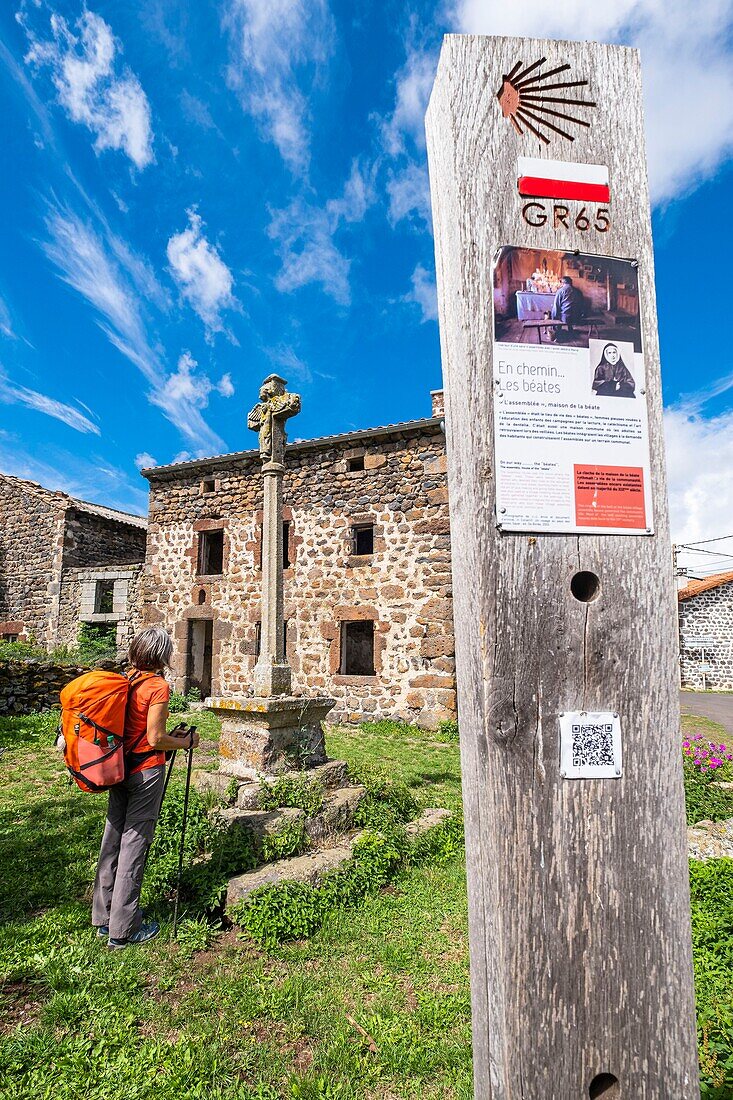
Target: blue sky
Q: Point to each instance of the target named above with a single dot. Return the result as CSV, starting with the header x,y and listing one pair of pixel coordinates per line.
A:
x,y
198,193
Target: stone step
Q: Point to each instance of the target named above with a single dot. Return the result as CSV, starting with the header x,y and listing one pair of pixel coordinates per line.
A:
x,y
262,823
309,868
428,819
312,866
337,813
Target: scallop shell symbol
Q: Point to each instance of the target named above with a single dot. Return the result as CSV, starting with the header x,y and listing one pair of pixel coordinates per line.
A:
x,y
527,101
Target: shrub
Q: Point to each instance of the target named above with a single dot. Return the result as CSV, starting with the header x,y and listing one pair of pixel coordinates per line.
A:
x,y
179,703
290,840
292,790
388,801
22,651
96,642
447,731
705,799
711,889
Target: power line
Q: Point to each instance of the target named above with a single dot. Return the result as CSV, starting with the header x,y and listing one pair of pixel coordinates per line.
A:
x,y
695,550
703,542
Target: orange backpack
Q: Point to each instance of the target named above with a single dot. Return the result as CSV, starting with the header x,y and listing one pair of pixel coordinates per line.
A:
x,y
93,709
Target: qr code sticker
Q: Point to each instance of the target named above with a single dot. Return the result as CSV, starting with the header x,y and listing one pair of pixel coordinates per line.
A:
x,y
592,745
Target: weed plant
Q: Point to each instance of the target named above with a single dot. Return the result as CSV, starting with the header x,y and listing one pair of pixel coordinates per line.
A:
x,y
292,790
711,887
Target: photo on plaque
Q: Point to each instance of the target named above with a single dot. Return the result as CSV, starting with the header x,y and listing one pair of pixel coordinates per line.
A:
x,y
571,430
546,296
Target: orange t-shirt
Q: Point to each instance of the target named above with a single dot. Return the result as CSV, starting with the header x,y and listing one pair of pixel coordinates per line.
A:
x,y
145,690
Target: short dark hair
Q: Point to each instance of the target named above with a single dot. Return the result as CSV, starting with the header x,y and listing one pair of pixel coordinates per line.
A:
x,y
567,279
151,649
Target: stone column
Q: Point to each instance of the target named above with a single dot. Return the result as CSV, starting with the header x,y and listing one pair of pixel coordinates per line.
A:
x,y
272,730
272,674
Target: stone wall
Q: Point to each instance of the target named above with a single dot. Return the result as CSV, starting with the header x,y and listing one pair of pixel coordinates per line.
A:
x,y
28,686
46,540
93,540
404,587
78,602
707,616
31,545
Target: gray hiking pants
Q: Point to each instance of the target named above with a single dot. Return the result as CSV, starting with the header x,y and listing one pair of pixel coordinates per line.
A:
x,y
132,813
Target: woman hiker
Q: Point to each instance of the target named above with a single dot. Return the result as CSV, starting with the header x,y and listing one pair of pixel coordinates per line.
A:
x,y
134,804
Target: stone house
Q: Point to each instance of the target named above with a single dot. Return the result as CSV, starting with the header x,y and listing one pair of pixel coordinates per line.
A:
x,y
366,550
706,632
64,562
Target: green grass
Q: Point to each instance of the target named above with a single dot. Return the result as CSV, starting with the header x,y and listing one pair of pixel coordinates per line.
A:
x,y
374,1006
223,1020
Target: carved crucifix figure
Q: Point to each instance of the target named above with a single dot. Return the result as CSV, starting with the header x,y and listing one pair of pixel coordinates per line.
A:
x,y
269,416
272,675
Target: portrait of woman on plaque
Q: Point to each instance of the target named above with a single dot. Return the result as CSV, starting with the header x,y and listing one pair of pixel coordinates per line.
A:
x,y
612,378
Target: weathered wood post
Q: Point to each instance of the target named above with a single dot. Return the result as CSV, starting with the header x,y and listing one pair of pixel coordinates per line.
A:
x,y
564,599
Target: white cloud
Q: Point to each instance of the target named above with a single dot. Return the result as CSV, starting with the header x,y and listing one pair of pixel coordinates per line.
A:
x,y
225,386
699,464
273,43
423,293
357,197
66,470
185,389
6,323
118,284
413,84
144,461
305,236
201,274
94,268
284,358
408,189
95,89
688,75
13,394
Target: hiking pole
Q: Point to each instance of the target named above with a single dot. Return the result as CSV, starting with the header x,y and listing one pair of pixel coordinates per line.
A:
x,y
189,753
168,774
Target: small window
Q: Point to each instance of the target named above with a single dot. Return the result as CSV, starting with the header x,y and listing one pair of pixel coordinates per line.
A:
x,y
363,534
354,464
208,485
357,648
104,595
9,637
211,553
286,544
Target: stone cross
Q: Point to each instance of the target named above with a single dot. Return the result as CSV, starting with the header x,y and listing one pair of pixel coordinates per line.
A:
x,y
272,673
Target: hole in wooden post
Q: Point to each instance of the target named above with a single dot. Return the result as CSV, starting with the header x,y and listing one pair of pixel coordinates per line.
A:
x,y
605,1086
585,586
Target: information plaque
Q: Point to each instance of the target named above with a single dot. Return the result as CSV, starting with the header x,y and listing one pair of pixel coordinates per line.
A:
x,y
570,414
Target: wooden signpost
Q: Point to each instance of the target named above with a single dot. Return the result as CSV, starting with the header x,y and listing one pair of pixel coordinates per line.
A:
x,y
564,598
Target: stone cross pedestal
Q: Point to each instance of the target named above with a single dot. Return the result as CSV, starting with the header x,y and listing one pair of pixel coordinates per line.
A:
x,y
273,730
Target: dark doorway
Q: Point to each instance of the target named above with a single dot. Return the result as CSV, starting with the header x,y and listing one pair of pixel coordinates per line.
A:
x,y
198,670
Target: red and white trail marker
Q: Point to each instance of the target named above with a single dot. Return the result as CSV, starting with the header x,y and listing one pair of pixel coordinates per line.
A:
x,y
559,179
